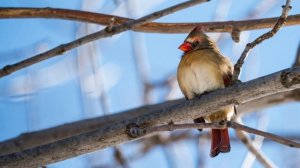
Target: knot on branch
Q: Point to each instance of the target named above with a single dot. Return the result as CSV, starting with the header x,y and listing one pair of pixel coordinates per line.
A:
x,y
133,130
289,79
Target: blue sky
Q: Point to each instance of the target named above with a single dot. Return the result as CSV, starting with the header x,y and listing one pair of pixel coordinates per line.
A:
x,y
52,93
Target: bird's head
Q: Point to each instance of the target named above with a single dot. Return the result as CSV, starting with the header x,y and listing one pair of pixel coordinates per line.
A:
x,y
195,40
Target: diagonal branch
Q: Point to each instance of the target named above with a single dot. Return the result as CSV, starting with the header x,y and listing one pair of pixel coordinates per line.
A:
x,y
280,22
253,147
114,132
257,153
297,61
153,27
275,138
275,99
41,137
107,32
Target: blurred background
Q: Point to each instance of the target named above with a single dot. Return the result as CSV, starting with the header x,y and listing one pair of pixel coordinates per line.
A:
x,y
132,69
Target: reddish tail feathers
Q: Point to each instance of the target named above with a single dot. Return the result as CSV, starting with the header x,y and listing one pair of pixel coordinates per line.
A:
x,y
219,142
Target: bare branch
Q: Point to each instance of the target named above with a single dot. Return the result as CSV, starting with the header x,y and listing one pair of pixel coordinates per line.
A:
x,y
215,125
297,61
280,22
8,69
118,154
33,139
153,27
268,101
275,99
173,127
275,138
254,145
256,152
114,132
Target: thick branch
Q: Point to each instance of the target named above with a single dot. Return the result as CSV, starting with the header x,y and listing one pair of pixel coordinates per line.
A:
x,y
269,101
115,132
41,137
153,27
107,32
280,22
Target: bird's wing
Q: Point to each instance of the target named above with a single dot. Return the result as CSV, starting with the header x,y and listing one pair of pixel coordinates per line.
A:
x,y
227,71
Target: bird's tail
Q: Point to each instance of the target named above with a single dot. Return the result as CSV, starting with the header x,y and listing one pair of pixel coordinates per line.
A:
x,y
219,142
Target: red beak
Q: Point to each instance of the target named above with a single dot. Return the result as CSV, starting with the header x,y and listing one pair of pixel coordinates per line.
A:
x,y
185,47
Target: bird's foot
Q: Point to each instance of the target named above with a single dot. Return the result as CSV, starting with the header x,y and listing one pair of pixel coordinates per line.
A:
x,y
199,120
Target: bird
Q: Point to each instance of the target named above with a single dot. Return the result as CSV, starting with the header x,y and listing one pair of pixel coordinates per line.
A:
x,y
202,69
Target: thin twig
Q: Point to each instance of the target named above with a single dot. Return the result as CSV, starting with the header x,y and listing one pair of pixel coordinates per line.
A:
x,y
258,154
172,127
254,149
8,69
297,60
275,138
280,22
216,125
150,27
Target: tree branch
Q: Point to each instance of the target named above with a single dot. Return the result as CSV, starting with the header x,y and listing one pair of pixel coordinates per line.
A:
x,y
107,32
153,27
114,132
41,137
275,99
254,145
256,152
216,125
269,101
280,22
275,138
297,61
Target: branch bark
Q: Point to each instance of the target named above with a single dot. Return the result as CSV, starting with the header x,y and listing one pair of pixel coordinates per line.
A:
x,y
41,137
269,101
107,32
115,132
153,27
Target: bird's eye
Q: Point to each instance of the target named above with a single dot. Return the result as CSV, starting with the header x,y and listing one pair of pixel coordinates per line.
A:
x,y
194,44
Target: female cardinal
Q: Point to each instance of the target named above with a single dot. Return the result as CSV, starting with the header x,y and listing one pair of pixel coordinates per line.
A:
x,y
202,69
